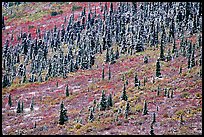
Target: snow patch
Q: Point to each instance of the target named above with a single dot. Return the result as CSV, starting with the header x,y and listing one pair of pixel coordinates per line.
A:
x,y
27,109
7,27
61,86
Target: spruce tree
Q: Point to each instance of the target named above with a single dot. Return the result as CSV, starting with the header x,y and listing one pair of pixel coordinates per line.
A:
x,y
180,70
174,46
67,91
189,61
145,59
136,80
19,107
154,118
109,101
158,73
117,54
152,130
124,96
63,116
22,106
200,60
162,51
112,58
9,100
192,59
103,101
172,93
109,73
127,108
107,55
158,90
31,105
91,116
144,112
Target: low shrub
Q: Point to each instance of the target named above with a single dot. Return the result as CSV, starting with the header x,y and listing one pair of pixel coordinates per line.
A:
x,y
74,7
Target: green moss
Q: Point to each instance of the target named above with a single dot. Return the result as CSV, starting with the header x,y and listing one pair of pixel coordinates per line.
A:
x,y
185,95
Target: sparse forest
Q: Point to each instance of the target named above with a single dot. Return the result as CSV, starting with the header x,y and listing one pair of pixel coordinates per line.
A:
x,y
101,68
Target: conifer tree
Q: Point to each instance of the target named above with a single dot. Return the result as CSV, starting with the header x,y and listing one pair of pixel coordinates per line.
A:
x,y
9,100
127,108
152,130
189,61
154,118
67,91
109,73
145,59
174,46
200,60
91,116
63,116
109,101
107,55
192,59
158,90
22,106
172,93
124,96
158,73
144,112
117,54
31,105
136,80
180,70
18,107
103,101
162,51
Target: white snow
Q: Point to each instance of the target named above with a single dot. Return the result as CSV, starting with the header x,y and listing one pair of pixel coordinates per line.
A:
x,y
7,27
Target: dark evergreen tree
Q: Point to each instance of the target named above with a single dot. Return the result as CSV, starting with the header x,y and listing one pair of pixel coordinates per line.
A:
x,y
63,112
136,80
144,112
22,106
200,60
158,73
152,130
91,116
145,59
109,73
172,93
127,109
174,46
19,107
117,54
168,58
158,90
9,100
189,61
124,96
32,105
112,57
103,101
3,24
162,57
67,91
107,55
192,59
109,101
154,118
